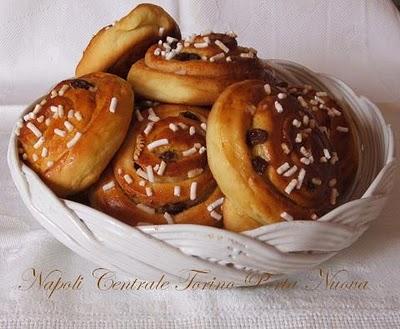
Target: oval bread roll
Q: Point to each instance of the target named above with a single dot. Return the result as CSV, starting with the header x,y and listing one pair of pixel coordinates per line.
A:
x,y
116,47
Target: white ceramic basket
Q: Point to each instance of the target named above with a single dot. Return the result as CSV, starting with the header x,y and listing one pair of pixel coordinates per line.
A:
x,y
147,252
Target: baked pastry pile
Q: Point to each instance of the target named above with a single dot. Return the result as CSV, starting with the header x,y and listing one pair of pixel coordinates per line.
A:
x,y
212,138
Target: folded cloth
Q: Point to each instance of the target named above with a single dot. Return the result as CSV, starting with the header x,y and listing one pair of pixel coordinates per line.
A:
x,y
359,288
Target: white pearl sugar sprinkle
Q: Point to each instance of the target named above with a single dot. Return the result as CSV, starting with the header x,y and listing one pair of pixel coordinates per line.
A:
x,y
157,143
189,152
146,209
68,125
177,190
60,132
286,216
34,129
169,218
289,188
128,179
78,116
193,191
161,169
291,171
150,173
74,140
194,172
148,128
215,215
267,89
38,143
108,186
342,129
149,191
281,169
173,127
300,178
113,105
215,204
221,45
278,107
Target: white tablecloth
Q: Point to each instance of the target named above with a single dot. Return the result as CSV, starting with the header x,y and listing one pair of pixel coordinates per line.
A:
x,y
358,41
24,245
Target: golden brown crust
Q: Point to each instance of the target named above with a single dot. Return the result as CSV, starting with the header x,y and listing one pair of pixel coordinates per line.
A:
x,y
116,47
279,157
70,137
193,71
237,220
132,186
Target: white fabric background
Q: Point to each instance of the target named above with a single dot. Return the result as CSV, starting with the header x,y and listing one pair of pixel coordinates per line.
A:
x,y
356,40
41,42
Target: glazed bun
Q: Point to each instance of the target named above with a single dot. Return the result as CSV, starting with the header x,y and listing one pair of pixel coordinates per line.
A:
x,y
280,154
161,175
71,135
116,47
193,71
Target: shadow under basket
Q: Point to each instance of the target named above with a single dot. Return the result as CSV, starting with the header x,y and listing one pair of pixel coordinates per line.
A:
x,y
235,259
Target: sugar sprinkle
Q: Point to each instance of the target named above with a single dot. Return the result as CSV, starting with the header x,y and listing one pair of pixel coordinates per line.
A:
x,y
108,186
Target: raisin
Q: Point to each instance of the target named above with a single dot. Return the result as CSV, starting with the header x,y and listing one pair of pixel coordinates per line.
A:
x,y
282,84
186,57
144,104
190,115
227,40
256,136
173,44
82,84
168,156
173,208
310,186
259,165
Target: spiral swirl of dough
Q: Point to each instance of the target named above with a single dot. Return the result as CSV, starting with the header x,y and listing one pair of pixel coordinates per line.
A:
x,y
279,154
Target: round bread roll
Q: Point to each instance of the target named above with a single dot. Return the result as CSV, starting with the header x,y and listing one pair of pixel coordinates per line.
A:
x,y
71,135
116,47
279,154
194,71
160,175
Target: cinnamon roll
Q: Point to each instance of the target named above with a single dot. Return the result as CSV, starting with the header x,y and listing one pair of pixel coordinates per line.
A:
x,y
161,175
116,47
71,135
193,71
280,154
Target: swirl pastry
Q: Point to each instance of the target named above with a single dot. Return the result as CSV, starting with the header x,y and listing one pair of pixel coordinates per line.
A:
x,y
279,154
72,134
160,175
193,71
116,47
